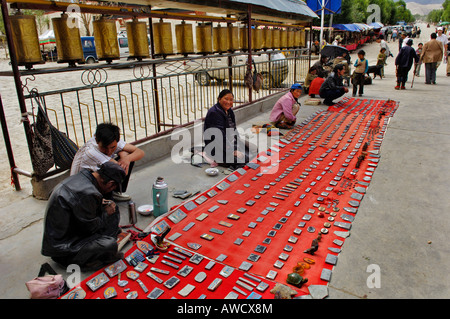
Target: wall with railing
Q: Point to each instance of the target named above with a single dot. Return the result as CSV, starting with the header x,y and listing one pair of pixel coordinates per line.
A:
x,y
144,105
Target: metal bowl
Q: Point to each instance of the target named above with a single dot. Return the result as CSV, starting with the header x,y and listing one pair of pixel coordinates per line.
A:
x,y
212,171
145,210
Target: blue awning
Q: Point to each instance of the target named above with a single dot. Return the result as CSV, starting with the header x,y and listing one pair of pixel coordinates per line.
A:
x,y
377,25
289,6
347,27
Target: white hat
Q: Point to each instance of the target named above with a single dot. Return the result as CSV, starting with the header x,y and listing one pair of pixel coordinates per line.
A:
x,y
440,28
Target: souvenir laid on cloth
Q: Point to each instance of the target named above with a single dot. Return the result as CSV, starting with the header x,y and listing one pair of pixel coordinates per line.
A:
x,y
50,286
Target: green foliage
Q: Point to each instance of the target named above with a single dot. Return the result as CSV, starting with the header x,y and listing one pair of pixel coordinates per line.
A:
x,y
355,11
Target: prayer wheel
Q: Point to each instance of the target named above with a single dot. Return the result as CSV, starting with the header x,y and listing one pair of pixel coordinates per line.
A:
x,y
220,39
276,38
26,40
290,38
283,39
185,38
68,41
204,38
233,38
243,38
267,41
106,43
256,39
302,38
137,39
162,35
297,36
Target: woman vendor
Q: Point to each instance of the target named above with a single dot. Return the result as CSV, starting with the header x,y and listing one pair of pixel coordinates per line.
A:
x,y
222,142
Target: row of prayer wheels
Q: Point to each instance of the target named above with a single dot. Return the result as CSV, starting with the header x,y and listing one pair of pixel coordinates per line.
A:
x,y
222,39
209,39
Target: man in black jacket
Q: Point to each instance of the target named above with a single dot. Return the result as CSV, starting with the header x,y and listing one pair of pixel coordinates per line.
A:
x,y
404,62
333,87
80,225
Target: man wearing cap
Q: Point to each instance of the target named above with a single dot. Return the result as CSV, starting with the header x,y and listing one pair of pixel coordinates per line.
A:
x,y
80,224
284,111
404,62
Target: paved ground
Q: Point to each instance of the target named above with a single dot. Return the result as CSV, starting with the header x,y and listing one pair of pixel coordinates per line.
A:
x,y
400,230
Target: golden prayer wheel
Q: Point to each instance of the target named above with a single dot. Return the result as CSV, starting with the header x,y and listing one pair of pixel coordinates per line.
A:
x,y
267,42
233,38
302,38
220,39
68,40
243,38
297,36
256,39
185,38
204,38
290,38
26,40
283,39
276,38
106,43
162,35
137,39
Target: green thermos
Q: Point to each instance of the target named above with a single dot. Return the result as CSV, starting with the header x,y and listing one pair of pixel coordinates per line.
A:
x,y
160,198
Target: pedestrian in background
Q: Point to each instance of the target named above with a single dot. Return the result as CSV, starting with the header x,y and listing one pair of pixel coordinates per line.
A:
x,y
418,52
359,75
432,52
404,62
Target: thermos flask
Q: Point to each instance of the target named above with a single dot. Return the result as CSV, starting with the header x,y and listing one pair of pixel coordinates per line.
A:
x,y
160,198
132,212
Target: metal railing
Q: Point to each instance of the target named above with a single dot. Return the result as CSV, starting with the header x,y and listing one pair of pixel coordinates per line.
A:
x,y
146,99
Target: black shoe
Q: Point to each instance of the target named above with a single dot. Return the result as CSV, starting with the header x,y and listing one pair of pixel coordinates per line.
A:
x,y
328,103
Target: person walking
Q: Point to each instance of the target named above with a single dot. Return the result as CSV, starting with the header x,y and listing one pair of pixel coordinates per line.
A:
x,y
432,52
404,62
418,52
442,37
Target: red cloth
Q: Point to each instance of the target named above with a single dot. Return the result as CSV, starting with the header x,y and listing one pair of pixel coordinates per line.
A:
x,y
250,197
315,86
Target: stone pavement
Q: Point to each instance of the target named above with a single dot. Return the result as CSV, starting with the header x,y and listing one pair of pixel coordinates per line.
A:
x,y
400,230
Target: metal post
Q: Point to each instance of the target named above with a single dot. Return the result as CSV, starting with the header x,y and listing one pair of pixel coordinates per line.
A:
x,y
310,43
155,82
18,82
322,17
249,40
12,164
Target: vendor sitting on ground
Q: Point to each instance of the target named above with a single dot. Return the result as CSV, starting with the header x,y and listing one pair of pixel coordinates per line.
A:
x,y
333,87
312,74
81,225
284,111
106,145
315,86
222,141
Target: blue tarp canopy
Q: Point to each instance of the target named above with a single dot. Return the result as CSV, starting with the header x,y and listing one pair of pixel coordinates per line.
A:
x,y
347,27
289,6
377,25
331,6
